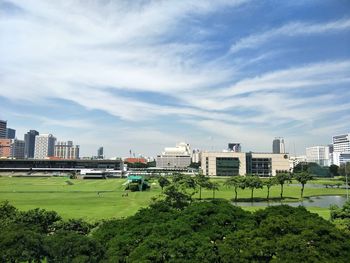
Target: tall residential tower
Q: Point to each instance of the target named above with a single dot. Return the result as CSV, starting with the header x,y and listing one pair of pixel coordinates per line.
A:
x,y
44,146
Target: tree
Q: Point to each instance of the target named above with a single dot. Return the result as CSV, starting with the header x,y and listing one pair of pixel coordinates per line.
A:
x,y
214,187
269,183
236,182
202,182
176,198
253,182
163,181
302,178
333,169
282,178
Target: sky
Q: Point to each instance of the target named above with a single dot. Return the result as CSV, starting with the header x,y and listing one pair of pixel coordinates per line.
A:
x,y
143,75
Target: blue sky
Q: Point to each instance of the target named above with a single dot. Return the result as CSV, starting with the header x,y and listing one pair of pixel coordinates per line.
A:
x,y
143,75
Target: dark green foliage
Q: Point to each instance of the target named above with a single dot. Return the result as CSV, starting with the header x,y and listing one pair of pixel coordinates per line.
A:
x,y
163,181
313,168
334,170
195,165
78,226
69,247
40,218
211,231
20,244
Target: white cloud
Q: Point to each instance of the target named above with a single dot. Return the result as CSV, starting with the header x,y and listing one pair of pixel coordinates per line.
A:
x,y
289,30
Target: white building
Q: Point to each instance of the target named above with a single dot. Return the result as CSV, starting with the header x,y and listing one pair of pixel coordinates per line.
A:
x,y
319,155
340,158
341,143
196,156
66,150
44,146
341,149
175,157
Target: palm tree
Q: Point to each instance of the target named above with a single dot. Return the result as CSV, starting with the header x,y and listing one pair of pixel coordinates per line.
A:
x,y
303,178
269,183
253,182
282,178
236,182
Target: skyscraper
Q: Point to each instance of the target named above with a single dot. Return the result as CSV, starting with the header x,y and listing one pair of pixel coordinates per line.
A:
x,y
10,133
100,153
278,145
44,146
341,143
341,149
3,129
29,139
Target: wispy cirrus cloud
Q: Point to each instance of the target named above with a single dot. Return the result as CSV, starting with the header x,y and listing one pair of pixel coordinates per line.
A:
x,y
132,63
292,29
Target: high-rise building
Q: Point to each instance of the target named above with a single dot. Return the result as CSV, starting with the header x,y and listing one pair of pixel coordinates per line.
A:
x,y
278,145
100,153
29,139
10,133
44,146
66,150
3,129
17,149
341,149
319,155
341,143
5,148
234,147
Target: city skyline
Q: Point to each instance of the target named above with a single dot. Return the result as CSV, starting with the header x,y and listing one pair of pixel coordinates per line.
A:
x,y
144,75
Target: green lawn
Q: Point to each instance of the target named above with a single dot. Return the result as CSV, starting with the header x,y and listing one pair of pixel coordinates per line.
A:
x,y
101,199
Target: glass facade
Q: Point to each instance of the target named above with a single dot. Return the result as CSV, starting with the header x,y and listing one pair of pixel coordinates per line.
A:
x,y
262,167
227,166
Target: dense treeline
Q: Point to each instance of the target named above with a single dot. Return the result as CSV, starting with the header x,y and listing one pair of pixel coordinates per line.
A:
x,y
214,231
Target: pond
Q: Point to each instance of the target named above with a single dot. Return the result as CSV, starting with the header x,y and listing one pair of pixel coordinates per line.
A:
x,y
315,201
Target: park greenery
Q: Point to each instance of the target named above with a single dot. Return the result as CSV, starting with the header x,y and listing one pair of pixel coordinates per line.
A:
x,y
174,228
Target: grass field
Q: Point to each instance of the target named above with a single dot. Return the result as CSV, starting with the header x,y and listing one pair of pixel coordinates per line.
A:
x,y
101,199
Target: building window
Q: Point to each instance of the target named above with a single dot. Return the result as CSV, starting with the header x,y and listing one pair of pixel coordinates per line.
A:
x,y
227,166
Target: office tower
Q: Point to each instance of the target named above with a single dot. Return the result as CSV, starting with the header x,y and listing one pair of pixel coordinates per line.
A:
x,y
3,129
5,148
10,133
66,150
341,143
29,139
319,155
234,147
44,146
17,149
100,153
341,149
278,145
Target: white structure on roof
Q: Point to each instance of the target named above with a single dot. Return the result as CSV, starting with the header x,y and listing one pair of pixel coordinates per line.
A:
x,y
175,157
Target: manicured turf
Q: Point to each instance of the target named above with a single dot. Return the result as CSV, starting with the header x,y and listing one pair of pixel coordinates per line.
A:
x,y
101,199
